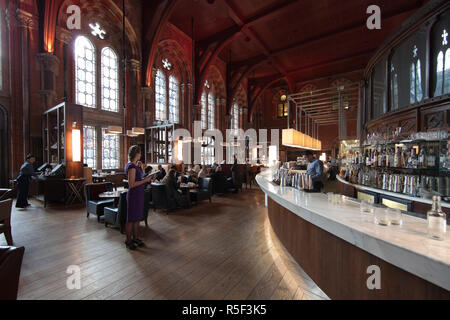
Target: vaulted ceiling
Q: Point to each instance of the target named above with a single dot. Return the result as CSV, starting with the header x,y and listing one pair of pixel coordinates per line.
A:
x,y
296,39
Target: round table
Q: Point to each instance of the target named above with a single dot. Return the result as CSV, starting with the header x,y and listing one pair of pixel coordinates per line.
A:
x,y
111,195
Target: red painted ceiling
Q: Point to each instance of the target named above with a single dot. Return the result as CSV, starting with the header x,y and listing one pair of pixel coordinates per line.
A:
x,y
301,39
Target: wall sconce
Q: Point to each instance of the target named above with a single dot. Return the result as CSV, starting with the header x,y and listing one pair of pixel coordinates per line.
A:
x,y
76,145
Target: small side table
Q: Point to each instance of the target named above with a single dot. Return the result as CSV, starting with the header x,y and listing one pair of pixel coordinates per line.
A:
x,y
74,191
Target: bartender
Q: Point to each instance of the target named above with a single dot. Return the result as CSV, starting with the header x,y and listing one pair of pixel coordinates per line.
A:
x,y
315,170
23,182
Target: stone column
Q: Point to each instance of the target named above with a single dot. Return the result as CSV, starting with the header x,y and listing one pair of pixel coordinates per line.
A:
x,y
135,70
245,122
25,23
49,67
147,95
190,108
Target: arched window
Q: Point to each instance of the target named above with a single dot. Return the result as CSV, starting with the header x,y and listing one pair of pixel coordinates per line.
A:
x,y
440,56
394,88
174,100
90,146
443,67
110,80
416,93
204,104
85,82
211,111
160,96
282,108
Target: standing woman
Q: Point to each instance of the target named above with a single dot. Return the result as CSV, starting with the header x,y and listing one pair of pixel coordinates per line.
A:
x,y
135,198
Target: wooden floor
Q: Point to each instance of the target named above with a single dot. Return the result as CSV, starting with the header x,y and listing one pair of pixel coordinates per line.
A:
x,y
223,250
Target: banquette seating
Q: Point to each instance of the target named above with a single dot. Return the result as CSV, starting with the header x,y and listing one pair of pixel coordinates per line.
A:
x,y
94,204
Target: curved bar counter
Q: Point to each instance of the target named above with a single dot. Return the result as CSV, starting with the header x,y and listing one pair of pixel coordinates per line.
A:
x,y
337,245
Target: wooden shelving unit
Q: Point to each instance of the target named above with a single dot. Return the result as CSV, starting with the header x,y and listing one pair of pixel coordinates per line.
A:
x,y
159,144
57,125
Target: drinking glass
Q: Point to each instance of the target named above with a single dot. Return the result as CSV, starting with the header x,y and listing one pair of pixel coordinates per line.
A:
x,y
381,216
366,207
330,197
337,199
395,216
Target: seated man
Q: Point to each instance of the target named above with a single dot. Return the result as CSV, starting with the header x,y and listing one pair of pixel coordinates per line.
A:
x,y
162,173
203,172
172,190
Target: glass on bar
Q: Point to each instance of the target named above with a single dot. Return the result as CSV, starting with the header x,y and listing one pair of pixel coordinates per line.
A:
x,y
330,196
395,216
366,206
381,216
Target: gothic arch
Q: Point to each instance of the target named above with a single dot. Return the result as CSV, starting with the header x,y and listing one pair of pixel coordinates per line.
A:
x,y
171,50
110,15
215,78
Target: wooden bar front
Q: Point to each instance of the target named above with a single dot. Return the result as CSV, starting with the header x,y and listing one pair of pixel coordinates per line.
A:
x,y
340,268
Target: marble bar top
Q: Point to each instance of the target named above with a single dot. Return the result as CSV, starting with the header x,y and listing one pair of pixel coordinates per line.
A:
x,y
392,194
406,246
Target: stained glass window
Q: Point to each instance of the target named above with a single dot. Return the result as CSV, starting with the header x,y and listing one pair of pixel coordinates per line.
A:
x,y
85,82
90,146
110,151
440,56
110,80
204,104
211,111
443,67
407,74
174,100
161,96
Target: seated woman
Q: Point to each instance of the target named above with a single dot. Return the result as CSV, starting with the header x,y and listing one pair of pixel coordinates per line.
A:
x,y
172,190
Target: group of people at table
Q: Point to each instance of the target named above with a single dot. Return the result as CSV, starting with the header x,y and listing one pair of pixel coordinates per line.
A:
x,y
141,177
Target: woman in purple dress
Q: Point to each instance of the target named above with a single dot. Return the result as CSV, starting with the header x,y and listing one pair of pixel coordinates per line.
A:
x,y
135,198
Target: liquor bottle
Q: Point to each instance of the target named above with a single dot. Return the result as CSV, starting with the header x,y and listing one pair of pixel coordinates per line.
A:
x,y
412,162
388,157
398,158
437,220
443,155
405,157
431,159
376,153
422,158
382,157
367,158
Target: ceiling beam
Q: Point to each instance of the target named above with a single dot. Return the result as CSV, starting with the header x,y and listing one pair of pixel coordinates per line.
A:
x,y
332,34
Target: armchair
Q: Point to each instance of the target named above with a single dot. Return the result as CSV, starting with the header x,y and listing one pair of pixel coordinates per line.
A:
x,y
10,265
117,216
160,198
5,220
94,204
204,190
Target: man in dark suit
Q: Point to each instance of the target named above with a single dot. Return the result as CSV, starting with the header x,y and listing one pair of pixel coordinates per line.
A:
x,y
23,182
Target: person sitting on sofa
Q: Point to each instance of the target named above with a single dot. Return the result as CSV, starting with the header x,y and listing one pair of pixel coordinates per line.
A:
x,y
203,172
162,173
172,191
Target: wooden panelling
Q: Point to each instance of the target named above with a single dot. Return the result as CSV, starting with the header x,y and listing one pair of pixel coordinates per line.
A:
x,y
340,268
